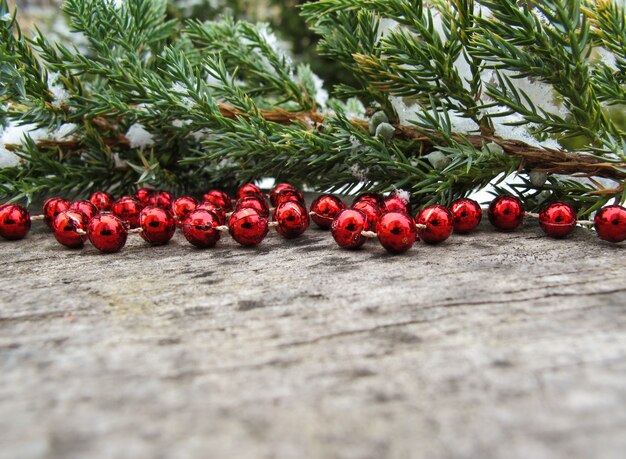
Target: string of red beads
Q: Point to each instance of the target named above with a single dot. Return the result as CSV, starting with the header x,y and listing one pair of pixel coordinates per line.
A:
x,y
155,215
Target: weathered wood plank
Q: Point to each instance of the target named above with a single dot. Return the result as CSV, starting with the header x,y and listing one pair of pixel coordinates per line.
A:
x,y
490,345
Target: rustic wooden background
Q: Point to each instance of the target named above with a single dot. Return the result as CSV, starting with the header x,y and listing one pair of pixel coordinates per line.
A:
x,y
489,346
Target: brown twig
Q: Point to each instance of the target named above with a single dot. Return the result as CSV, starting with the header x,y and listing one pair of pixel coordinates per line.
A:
x,y
541,159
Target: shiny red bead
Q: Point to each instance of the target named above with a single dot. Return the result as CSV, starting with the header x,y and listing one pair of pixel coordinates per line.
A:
x,y
610,223
85,207
249,189
466,214
199,228
396,231
371,211
14,222
247,226
162,199
181,208
107,233
290,195
348,227
128,210
157,225
326,208
70,228
397,203
53,207
375,198
220,199
438,221
557,219
506,213
253,202
103,201
219,211
145,196
292,218
278,189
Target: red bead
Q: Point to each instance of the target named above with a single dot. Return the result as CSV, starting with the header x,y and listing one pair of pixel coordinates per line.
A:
x,y
145,196
278,189
107,233
397,203
103,201
506,213
253,202
610,223
396,231
220,199
219,211
157,225
466,214
348,227
326,208
371,211
128,210
85,207
199,228
249,189
290,195
53,207
375,198
292,218
247,226
181,208
438,222
70,228
162,199
14,222
557,219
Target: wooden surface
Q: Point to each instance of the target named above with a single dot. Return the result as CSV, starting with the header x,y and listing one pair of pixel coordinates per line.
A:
x,y
489,346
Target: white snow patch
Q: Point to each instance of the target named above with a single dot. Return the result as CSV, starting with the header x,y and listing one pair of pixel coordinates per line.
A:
x,y
60,95
182,90
8,158
139,137
321,95
402,194
14,134
359,173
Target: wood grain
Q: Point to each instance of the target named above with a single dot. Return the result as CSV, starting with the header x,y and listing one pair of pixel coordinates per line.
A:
x,y
489,346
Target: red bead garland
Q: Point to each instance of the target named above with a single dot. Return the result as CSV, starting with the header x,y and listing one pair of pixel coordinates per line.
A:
x,y
203,224
396,231
347,229
610,223
371,210
557,219
14,222
107,233
254,202
200,228
70,228
219,199
247,226
292,219
325,209
466,215
436,224
181,207
53,207
506,213
249,189
128,209
85,207
102,200
157,225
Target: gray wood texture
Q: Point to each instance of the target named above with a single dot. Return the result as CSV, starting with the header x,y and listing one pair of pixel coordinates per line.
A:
x,y
490,345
